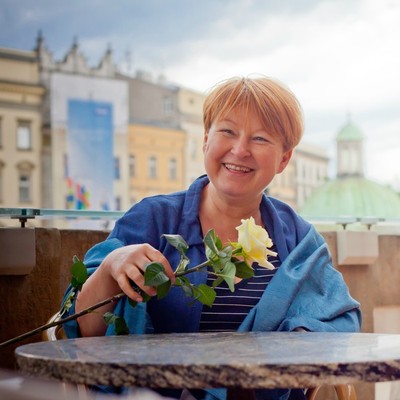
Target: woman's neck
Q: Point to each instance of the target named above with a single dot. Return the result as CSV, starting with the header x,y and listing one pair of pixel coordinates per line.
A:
x,y
224,215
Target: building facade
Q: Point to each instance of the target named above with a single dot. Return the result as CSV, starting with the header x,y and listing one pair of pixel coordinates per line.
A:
x,y
156,161
80,137
190,106
21,97
85,123
351,194
166,121
306,171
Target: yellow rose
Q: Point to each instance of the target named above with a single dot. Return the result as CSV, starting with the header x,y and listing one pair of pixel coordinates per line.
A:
x,y
255,242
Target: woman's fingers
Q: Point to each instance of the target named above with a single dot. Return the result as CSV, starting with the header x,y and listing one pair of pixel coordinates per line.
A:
x,y
128,265
126,287
137,278
156,256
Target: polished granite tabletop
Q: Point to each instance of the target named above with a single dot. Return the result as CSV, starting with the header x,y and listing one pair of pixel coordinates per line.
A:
x,y
200,360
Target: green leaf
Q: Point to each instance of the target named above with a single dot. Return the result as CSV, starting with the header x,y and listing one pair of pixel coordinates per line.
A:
x,y
205,294
68,302
243,270
163,289
178,242
212,241
183,264
210,254
228,275
154,275
185,284
226,252
217,281
120,326
132,303
146,297
78,273
109,318
188,290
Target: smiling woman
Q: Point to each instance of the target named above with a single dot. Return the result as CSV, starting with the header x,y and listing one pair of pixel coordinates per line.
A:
x,y
251,127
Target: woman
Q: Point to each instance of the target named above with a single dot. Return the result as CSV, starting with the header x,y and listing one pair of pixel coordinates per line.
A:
x,y
251,128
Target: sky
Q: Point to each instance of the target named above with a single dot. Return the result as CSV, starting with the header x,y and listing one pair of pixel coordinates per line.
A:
x,y
340,57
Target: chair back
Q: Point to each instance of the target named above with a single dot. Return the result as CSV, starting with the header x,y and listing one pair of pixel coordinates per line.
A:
x,y
55,332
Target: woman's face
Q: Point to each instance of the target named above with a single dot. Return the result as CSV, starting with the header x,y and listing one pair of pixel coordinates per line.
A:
x,y
241,157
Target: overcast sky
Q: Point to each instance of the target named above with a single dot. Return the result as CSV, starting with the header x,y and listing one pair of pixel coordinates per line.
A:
x,y
340,57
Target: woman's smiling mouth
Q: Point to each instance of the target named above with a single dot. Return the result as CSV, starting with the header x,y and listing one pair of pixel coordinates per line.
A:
x,y
236,168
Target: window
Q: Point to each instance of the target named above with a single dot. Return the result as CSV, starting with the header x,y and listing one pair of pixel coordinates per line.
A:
x,y
1,180
65,165
168,106
117,170
172,169
24,136
25,181
193,151
118,203
132,166
152,167
24,188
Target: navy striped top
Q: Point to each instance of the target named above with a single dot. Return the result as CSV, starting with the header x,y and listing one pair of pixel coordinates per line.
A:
x,y
231,308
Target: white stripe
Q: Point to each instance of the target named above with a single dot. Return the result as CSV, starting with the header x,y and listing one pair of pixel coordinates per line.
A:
x,y
231,305
221,322
243,297
239,288
224,313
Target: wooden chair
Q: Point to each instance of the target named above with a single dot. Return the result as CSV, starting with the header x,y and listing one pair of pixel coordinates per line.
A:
x,y
57,333
343,392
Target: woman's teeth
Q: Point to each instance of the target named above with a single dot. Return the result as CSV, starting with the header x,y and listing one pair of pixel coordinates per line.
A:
x,y
237,168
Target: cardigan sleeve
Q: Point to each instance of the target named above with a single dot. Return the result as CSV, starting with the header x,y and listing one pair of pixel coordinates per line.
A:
x,y
306,291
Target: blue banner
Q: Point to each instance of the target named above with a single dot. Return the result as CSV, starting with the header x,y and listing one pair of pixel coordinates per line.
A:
x,y
90,157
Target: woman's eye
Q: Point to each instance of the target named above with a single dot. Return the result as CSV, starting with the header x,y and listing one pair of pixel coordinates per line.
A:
x,y
227,131
260,139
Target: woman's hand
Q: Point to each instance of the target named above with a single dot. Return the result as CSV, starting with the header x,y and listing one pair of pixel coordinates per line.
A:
x,y
127,264
115,274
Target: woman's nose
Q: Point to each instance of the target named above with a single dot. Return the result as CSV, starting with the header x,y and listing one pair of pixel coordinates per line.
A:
x,y
241,147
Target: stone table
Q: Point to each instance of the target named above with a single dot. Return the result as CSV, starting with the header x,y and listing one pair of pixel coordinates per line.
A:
x,y
213,360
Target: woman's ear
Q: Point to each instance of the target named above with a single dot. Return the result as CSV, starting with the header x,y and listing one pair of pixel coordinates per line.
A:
x,y
205,139
285,160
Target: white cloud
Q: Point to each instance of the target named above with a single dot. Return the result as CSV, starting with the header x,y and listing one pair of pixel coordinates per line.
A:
x,y
338,56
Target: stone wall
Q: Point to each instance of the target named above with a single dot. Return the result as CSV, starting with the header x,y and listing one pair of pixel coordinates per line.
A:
x,y
27,301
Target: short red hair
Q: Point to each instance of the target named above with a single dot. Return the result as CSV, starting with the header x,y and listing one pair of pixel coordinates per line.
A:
x,y
277,107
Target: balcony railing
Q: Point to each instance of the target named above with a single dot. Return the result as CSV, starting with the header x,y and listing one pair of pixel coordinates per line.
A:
x,y
23,214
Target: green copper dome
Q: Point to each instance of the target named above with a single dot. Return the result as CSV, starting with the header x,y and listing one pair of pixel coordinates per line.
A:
x,y
350,132
355,197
